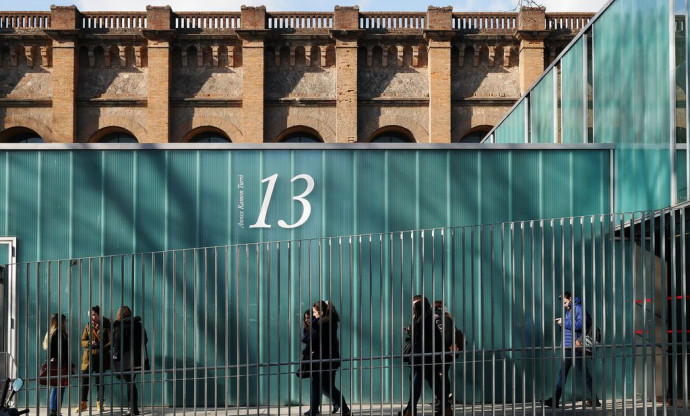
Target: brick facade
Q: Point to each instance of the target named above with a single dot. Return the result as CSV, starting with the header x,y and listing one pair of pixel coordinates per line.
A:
x,y
259,76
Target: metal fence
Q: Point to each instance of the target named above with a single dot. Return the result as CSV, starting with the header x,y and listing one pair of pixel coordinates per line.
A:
x,y
224,323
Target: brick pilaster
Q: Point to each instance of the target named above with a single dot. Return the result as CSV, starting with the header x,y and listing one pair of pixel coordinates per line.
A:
x,y
438,34
159,34
252,33
531,33
64,32
346,33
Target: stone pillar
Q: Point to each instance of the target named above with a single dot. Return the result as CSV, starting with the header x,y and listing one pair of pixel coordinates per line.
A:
x,y
64,33
253,33
159,35
346,33
531,34
438,35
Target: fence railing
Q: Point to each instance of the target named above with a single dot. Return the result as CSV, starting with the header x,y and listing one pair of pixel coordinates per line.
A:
x,y
207,20
225,326
485,22
299,20
24,20
392,20
572,21
114,20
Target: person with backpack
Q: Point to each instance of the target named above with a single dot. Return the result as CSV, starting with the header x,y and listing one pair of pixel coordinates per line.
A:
x,y
573,324
444,323
425,338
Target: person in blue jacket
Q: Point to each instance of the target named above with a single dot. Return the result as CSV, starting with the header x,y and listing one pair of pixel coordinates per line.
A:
x,y
573,324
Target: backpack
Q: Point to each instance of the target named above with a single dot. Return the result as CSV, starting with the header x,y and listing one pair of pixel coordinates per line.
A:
x,y
591,338
453,338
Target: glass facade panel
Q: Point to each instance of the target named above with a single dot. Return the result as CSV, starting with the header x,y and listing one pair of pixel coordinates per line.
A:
x,y
542,110
631,73
512,130
573,98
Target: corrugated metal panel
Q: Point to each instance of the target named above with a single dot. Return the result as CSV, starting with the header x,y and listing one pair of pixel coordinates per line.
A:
x,y
65,204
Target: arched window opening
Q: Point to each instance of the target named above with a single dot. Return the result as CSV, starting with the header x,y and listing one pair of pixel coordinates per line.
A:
x,y
468,57
210,137
315,56
20,135
284,56
498,57
192,58
118,137
237,56
330,56
99,56
393,56
388,135
300,137
474,135
300,56
422,57
407,56
376,56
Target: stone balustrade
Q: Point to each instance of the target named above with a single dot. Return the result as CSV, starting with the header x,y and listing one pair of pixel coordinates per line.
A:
x,y
485,22
299,20
113,20
571,21
392,21
207,20
375,21
24,20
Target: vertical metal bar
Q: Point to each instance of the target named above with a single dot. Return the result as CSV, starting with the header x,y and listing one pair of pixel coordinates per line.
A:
x,y
645,330
684,303
532,344
491,334
371,327
664,322
624,315
675,344
512,313
290,301
672,99
504,314
259,349
542,279
523,313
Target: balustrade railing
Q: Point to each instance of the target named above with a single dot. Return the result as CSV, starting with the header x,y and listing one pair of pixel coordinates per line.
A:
x,y
299,20
114,20
207,20
24,20
572,21
392,21
485,22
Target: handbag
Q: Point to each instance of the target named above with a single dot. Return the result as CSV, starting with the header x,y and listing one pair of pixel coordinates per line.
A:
x,y
407,350
59,375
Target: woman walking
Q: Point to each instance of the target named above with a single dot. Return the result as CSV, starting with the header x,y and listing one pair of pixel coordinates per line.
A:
x,y
95,339
56,343
129,353
425,338
322,341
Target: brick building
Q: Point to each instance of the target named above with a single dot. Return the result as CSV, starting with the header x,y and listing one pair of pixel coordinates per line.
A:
x,y
257,76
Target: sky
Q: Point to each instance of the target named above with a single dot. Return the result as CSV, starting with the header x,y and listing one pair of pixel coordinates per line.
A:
x,y
312,5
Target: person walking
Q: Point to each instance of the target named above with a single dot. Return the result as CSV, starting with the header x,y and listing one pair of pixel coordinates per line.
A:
x,y
573,325
425,338
56,342
129,353
322,341
95,339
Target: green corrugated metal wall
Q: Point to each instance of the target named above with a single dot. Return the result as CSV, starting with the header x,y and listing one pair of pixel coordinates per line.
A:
x,y
67,204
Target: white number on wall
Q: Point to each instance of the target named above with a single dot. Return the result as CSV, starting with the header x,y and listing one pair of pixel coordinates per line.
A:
x,y
306,206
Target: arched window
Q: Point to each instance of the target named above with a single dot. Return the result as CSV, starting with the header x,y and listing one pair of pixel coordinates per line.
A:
x,y
20,135
474,135
209,137
391,136
118,137
300,137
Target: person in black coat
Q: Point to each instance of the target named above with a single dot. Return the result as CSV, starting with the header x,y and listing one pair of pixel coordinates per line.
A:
x,y
56,342
425,339
322,341
129,353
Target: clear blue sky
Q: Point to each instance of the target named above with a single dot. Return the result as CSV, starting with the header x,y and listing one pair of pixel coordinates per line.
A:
x,y
296,5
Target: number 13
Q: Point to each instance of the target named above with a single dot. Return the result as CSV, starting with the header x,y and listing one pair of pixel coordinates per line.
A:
x,y
306,206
